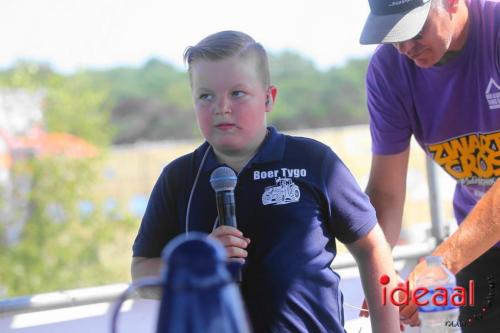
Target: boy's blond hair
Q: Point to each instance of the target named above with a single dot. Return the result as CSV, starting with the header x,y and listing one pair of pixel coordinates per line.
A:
x,y
225,44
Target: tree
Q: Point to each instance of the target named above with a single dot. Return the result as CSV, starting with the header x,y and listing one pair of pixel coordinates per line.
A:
x,y
63,246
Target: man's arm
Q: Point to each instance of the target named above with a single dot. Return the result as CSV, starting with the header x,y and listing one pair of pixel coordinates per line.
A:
x,y
477,234
146,267
373,255
387,189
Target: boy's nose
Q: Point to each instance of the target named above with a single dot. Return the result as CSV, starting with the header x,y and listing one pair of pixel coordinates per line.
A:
x,y
223,106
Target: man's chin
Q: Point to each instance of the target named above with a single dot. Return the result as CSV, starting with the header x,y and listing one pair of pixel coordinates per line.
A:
x,y
424,62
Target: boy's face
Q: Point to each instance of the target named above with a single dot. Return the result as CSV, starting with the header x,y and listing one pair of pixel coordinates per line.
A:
x,y
230,103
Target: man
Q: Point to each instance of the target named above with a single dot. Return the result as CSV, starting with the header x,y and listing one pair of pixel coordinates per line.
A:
x,y
437,77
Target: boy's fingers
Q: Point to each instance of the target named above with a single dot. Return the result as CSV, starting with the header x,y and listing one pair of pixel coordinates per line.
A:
x,y
230,240
226,230
241,261
233,241
413,320
236,252
408,313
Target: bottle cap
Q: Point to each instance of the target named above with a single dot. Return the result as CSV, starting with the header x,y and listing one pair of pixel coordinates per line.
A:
x,y
434,260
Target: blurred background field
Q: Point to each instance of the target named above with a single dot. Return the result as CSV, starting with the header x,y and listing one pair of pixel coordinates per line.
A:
x,y
95,101
131,171
80,153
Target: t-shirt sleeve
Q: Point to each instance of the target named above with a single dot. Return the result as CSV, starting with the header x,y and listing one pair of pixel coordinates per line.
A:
x,y
387,100
497,48
351,214
157,226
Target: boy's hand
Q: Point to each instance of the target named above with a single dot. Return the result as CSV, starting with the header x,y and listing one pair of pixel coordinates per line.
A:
x,y
234,242
408,314
410,311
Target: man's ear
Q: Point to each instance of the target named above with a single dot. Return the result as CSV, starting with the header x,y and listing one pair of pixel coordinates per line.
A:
x,y
271,97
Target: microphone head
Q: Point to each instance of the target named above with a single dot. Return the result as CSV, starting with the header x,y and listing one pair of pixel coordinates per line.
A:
x,y
223,179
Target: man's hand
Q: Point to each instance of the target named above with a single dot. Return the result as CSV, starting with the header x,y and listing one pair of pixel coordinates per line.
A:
x,y
234,242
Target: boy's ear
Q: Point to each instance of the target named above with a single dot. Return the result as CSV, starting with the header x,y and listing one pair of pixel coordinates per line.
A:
x,y
271,97
452,6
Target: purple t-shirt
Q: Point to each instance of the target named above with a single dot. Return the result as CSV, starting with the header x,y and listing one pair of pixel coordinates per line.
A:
x,y
453,110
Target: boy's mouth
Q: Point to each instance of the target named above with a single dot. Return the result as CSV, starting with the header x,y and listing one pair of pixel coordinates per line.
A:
x,y
225,126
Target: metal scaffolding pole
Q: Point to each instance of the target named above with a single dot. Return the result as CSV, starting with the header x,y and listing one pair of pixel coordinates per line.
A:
x,y
438,229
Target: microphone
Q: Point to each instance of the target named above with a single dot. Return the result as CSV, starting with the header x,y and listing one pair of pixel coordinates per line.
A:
x,y
223,181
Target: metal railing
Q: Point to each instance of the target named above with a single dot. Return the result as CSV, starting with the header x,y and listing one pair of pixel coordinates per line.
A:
x,y
109,293
408,253
61,299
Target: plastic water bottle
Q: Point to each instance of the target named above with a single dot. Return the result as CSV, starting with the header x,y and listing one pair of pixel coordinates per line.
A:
x,y
199,294
441,317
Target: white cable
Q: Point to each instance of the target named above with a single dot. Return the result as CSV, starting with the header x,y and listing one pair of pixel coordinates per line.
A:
x,y
193,188
357,308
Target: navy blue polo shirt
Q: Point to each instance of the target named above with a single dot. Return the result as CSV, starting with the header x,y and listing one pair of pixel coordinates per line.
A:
x,y
293,199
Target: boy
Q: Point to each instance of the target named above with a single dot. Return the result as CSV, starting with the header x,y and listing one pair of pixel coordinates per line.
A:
x,y
293,198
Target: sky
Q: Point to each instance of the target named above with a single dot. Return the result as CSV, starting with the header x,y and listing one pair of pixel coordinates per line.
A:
x,y
75,34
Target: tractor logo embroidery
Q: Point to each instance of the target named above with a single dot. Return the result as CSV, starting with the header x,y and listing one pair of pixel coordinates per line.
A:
x,y
284,192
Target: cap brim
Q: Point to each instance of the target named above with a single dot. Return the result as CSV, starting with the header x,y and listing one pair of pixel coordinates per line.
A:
x,y
394,28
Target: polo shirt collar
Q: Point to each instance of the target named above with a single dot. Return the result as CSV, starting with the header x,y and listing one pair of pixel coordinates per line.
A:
x,y
271,150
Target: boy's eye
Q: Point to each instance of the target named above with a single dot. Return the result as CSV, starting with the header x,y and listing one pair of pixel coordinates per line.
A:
x,y
238,93
206,97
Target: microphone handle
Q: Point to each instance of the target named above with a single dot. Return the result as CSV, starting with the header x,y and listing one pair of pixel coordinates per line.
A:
x,y
226,208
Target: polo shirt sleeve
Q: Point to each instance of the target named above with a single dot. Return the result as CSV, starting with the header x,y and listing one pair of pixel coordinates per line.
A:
x,y
157,226
388,100
351,215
